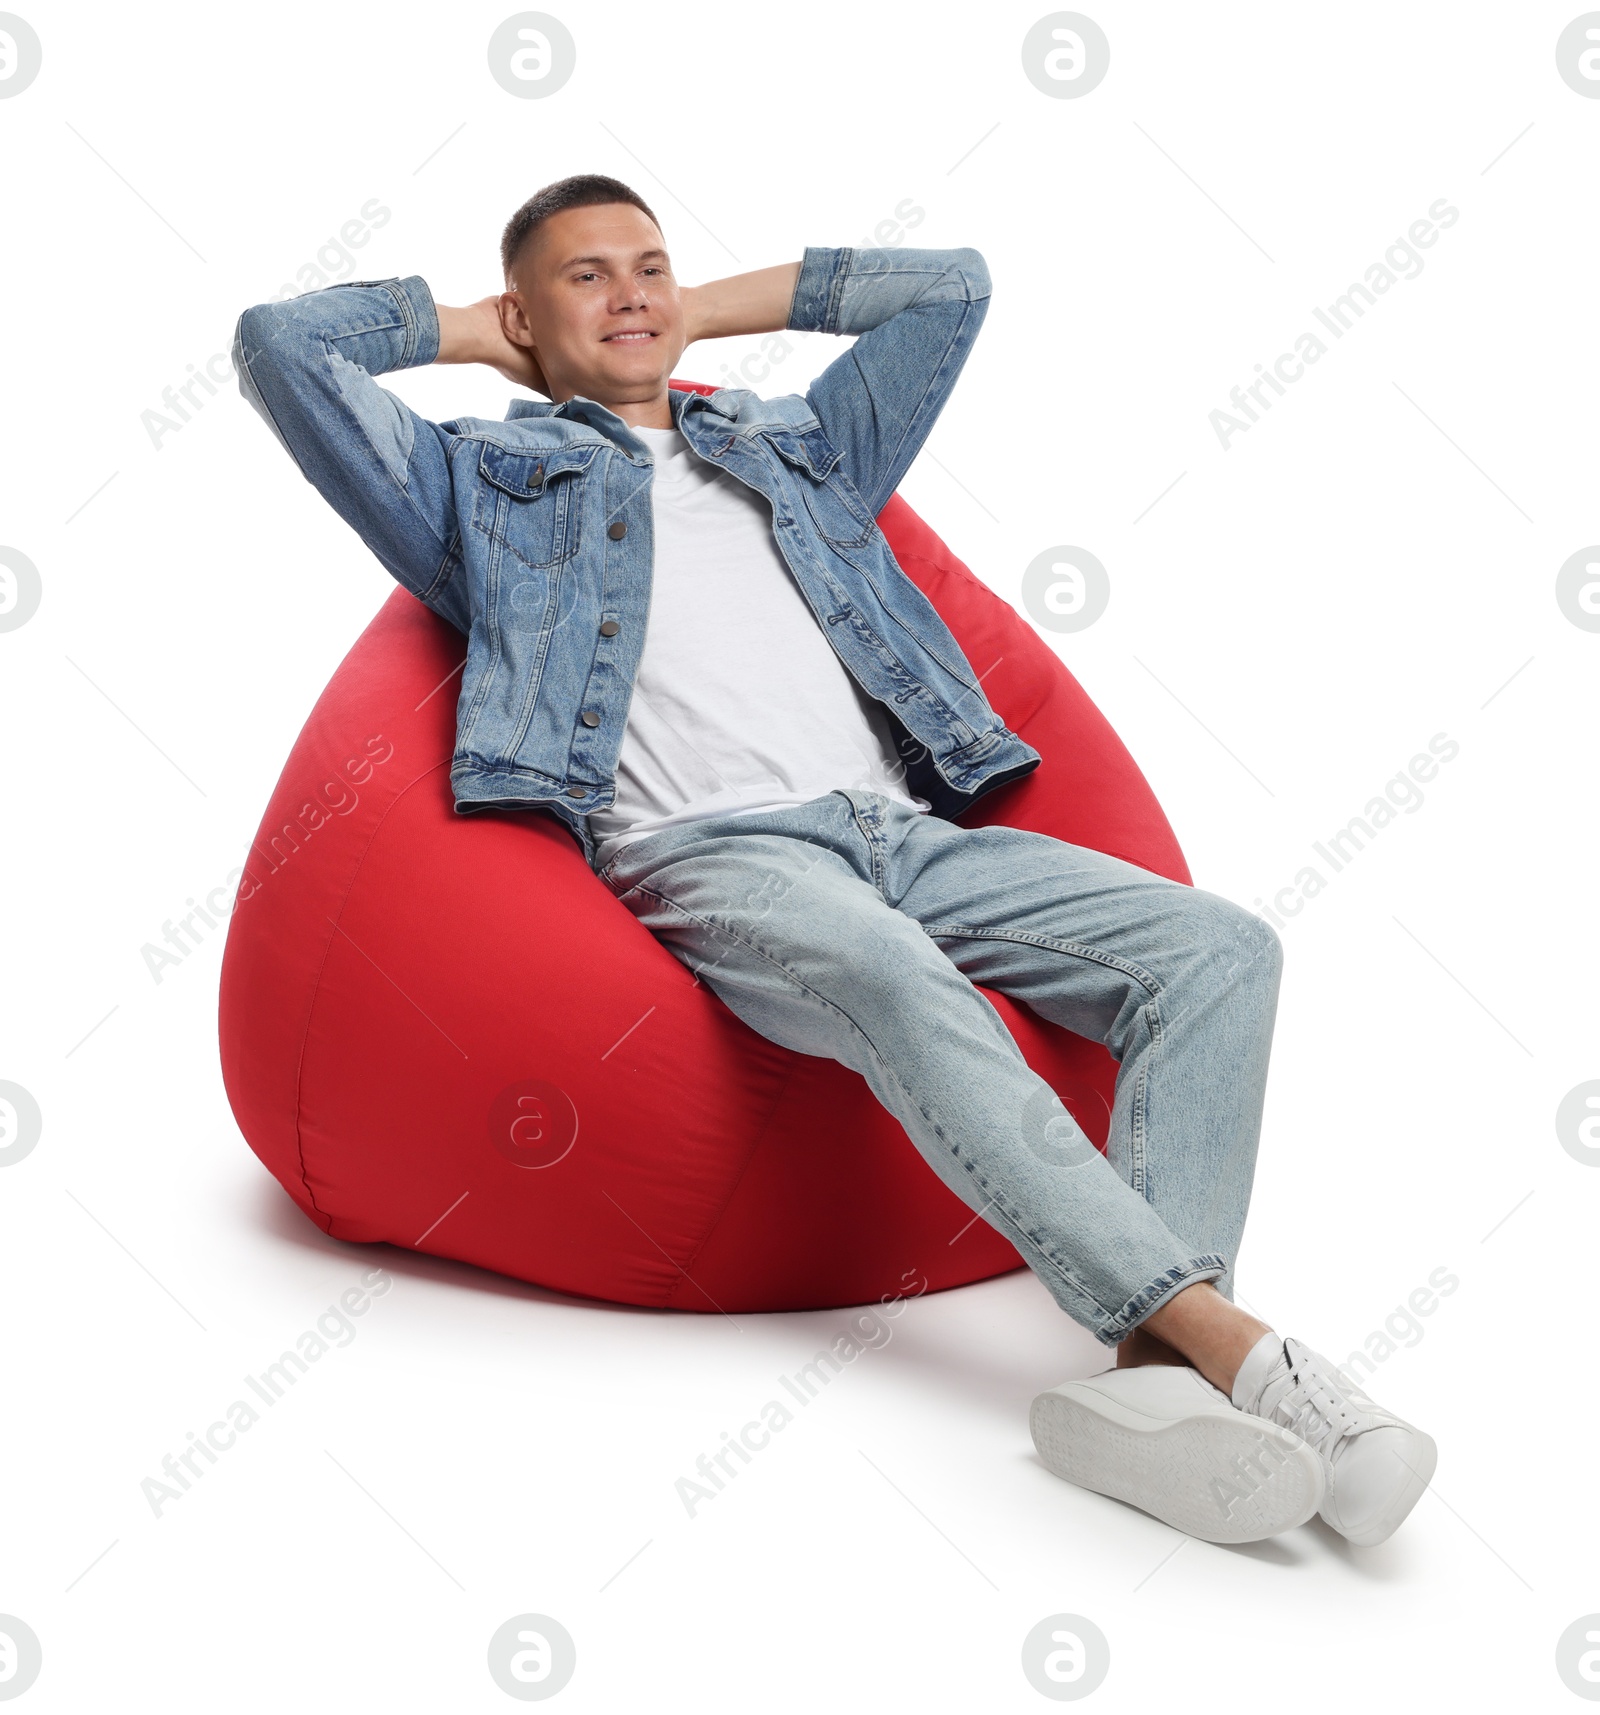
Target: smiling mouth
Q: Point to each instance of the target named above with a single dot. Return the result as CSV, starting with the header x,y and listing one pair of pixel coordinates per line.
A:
x,y
628,338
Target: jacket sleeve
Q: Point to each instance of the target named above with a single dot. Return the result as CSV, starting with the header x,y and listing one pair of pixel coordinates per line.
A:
x,y
307,365
917,313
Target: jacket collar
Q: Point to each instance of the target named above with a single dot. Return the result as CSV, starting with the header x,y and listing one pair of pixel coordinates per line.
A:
x,y
685,407
580,409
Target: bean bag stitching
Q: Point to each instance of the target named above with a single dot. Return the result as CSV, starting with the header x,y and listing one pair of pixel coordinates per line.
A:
x,y
316,987
733,1190
992,1201
952,570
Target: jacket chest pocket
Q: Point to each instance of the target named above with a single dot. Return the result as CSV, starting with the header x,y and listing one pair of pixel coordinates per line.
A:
x,y
838,511
530,502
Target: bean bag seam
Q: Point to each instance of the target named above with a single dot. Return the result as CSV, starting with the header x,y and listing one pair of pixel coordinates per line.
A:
x,y
951,570
733,1191
316,987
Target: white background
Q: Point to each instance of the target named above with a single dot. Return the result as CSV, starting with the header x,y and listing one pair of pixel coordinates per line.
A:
x,y
1372,564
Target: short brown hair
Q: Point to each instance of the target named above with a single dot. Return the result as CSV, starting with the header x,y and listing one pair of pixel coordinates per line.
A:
x,y
581,190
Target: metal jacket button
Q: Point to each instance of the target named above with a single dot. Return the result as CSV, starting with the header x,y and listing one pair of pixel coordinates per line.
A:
x,y
574,791
590,718
617,531
610,628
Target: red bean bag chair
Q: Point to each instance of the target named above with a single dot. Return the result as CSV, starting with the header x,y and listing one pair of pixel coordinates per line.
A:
x,y
444,1033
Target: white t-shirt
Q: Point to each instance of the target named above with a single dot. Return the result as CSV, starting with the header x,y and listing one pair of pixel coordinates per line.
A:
x,y
739,703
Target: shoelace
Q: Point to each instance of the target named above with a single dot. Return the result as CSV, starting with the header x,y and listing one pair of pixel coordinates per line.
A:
x,y
1316,1409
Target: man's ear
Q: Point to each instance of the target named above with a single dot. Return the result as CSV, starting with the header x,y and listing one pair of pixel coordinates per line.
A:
x,y
514,325
514,320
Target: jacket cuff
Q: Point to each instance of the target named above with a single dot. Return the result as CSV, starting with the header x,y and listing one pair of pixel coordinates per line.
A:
x,y
421,318
820,289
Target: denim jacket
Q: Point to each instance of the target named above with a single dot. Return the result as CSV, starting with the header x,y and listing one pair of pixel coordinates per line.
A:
x,y
532,535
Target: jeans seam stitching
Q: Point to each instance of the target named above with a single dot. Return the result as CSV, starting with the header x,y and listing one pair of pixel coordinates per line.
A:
x,y
1140,1131
1077,949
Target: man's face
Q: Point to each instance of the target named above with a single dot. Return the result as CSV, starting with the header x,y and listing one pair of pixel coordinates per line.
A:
x,y
594,291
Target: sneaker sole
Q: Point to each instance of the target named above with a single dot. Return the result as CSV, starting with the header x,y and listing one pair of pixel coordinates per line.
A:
x,y
1381,1528
1221,1478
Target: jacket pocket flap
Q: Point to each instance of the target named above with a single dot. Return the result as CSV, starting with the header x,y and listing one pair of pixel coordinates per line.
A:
x,y
808,449
525,473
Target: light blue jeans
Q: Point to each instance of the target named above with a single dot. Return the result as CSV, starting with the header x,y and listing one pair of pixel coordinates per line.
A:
x,y
855,928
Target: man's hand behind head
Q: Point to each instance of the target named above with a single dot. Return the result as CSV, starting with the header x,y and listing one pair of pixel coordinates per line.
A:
x,y
478,333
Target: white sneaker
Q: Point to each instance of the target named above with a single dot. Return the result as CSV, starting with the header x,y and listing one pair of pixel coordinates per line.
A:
x,y
1377,1463
1163,1439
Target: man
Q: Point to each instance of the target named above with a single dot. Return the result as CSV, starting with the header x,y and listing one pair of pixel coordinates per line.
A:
x,y
689,641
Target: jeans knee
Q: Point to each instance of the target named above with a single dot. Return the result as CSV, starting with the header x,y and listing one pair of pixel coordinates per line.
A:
x,y
1266,946
1238,941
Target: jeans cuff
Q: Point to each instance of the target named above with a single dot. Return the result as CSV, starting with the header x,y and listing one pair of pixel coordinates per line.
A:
x,y
1152,1297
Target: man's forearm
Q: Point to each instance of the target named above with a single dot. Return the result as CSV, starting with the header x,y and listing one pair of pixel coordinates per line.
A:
x,y
757,302
463,334
474,333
